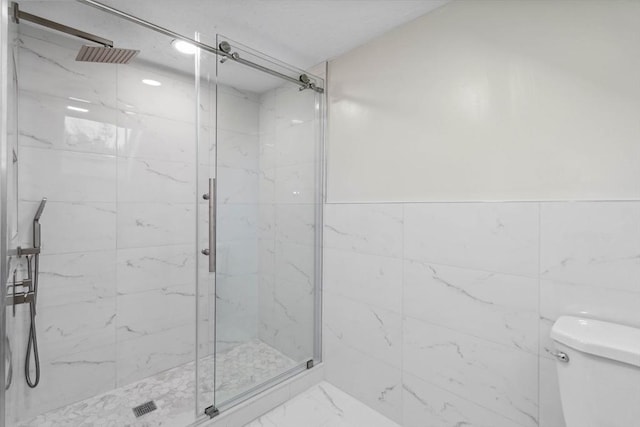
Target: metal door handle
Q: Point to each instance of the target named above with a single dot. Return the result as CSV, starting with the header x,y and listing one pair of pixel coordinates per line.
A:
x,y
211,251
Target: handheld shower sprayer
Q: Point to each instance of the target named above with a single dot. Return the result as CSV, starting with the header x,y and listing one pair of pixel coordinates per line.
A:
x,y
33,267
36,223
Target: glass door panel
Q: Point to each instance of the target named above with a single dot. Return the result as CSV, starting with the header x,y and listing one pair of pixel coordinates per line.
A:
x,y
268,189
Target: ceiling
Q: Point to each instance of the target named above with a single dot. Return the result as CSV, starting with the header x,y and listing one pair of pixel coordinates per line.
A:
x,y
302,33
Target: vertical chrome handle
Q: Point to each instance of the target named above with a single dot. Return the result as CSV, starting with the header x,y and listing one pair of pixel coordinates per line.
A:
x,y
211,251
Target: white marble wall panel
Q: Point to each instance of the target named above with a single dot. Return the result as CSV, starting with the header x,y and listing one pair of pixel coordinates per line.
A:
x,y
370,380
369,329
236,310
499,237
367,228
58,127
425,404
295,224
162,309
496,307
70,226
478,286
238,111
141,357
155,224
77,277
67,378
147,136
594,244
370,279
143,269
145,180
492,375
66,176
174,99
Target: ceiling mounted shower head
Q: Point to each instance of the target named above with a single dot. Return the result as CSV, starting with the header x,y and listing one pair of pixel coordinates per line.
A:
x,y
106,55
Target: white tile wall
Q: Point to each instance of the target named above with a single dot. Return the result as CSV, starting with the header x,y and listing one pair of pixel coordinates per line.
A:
x,y
470,291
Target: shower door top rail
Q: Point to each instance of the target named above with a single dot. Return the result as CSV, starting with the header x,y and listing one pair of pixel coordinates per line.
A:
x,y
303,80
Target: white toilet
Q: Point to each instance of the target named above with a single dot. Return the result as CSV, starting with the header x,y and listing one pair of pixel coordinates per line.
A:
x,y
598,371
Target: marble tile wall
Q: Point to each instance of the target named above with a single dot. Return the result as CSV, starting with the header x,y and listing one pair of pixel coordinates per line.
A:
x,y
439,313
287,216
117,287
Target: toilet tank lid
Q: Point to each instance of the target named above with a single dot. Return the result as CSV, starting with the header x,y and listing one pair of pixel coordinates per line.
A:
x,y
604,339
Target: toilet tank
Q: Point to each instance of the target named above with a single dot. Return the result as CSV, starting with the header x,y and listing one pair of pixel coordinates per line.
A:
x,y
600,381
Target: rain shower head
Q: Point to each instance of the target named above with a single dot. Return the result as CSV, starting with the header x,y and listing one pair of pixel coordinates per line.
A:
x,y
106,55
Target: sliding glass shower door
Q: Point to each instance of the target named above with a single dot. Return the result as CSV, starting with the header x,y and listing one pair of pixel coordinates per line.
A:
x,y
261,318
178,198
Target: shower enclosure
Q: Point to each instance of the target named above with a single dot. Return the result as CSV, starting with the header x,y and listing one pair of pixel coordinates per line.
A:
x,y
179,249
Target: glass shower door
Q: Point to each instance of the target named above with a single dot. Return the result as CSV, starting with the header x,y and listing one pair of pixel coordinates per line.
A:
x,y
259,185
267,207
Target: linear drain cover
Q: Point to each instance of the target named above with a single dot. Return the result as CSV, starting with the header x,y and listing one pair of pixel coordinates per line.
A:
x,y
145,408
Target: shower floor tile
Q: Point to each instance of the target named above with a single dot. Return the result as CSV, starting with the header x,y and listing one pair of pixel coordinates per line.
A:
x,y
323,406
173,391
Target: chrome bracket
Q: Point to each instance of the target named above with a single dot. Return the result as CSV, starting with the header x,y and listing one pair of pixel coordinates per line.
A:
x,y
211,411
561,356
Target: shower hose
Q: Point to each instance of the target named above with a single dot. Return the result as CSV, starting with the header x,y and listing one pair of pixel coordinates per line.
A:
x,y
32,341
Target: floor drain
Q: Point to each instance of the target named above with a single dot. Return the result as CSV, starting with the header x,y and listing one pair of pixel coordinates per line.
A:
x,y
145,408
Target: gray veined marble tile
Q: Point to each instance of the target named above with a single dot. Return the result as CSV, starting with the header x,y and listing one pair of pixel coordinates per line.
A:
x,y
141,269
66,176
365,228
155,224
296,183
76,277
427,405
159,181
499,378
153,311
150,137
497,307
372,279
295,224
71,226
237,185
370,329
499,237
59,128
371,381
595,244
237,149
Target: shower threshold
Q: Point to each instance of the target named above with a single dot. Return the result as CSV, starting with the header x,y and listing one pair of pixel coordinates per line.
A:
x,y
173,391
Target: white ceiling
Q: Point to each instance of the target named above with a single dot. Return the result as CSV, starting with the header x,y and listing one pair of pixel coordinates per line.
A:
x,y
302,33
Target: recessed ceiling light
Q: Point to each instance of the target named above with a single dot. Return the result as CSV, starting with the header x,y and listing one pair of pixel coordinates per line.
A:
x,y
184,47
81,110
151,82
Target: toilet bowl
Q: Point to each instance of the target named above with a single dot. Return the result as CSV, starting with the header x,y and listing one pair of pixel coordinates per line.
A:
x,y
598,365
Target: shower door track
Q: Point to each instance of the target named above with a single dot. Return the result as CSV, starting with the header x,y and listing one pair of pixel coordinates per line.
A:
x,y
303,80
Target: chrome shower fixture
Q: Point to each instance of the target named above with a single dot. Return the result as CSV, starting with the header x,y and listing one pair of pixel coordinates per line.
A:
x,y
105,54
29,295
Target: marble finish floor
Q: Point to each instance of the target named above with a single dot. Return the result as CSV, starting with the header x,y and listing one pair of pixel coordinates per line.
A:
x,y
323,406
173,391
